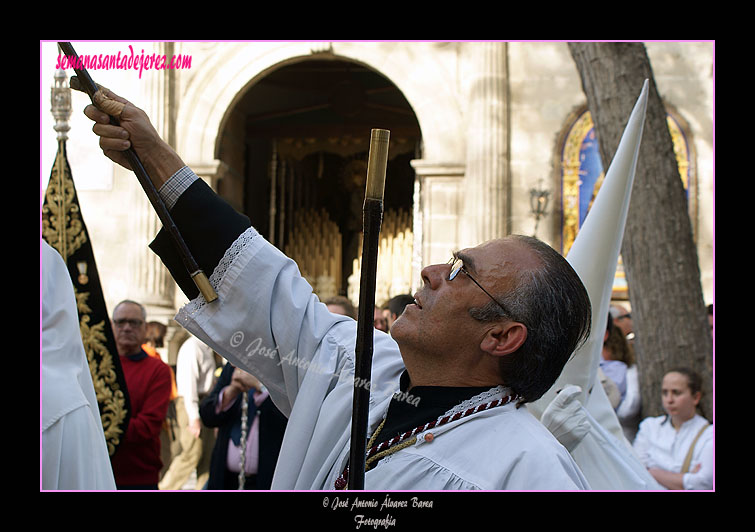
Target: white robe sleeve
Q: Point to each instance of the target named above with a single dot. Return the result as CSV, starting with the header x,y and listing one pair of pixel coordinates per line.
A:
x,y
608,463
266,319
630,406
268,322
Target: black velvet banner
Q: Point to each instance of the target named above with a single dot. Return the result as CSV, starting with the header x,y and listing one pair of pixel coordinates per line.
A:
x,y
64,229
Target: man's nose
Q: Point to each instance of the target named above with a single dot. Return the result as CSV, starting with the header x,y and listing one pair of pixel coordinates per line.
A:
x,y
435,274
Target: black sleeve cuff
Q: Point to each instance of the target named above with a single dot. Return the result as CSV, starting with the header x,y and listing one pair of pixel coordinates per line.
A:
x,y
208,225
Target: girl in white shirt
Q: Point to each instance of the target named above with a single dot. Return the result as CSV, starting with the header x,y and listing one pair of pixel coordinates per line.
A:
x,y
677,448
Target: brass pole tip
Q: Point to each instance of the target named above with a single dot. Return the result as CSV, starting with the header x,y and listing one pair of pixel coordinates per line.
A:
x,y
205,288
377,162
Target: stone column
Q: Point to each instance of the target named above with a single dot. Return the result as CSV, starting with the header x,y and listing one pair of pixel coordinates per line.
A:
x,y
438,211
150,283
486,184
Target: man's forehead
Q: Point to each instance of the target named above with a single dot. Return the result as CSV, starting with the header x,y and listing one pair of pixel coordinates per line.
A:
x,y
498,253
128,308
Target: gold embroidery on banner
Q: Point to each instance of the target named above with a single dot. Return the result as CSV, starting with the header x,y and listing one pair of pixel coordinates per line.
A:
x,y
109,395
62,227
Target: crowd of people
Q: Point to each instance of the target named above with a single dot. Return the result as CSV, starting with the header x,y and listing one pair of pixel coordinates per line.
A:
x,y
192,423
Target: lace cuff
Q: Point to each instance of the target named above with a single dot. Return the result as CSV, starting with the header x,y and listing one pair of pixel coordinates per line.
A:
x,y
216,279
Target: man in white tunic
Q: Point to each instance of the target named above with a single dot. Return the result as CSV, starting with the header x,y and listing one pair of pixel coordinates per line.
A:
x,y
195,377
488,333
74,450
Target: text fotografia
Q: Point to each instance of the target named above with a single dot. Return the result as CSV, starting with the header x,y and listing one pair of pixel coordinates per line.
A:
x,y
127,61
367,504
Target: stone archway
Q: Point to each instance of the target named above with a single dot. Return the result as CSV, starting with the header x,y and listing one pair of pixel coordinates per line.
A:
x,y
293,151
423,71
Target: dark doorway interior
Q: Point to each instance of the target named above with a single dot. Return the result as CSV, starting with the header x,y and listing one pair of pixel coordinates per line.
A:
x,y
306,130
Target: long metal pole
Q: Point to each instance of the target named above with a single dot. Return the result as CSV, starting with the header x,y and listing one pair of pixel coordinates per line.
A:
x,y
372,219
196,273
244,431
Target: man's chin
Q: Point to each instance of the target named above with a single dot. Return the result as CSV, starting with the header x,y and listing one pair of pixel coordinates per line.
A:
x,y
398,328
130,349
404,329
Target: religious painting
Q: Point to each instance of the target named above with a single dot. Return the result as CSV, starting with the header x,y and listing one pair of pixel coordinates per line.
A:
x,y
582,175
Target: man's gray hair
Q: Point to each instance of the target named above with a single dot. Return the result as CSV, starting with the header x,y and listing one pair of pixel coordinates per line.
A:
x,y
144,310
553,304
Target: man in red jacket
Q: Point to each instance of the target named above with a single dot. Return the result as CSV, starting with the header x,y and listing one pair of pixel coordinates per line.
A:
x,y
137,463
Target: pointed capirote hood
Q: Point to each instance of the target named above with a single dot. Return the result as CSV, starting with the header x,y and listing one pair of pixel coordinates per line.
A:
x,y
594,256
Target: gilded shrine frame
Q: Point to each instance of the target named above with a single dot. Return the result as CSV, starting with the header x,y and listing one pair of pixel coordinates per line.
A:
x,y
582,175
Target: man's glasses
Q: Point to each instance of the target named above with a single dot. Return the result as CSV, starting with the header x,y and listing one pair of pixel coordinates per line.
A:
x,y
124,322
457,265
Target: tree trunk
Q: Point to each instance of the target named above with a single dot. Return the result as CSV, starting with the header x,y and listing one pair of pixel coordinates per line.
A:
x,y
658,250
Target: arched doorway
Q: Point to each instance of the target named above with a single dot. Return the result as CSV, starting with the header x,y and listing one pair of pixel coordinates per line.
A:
x,y
299,138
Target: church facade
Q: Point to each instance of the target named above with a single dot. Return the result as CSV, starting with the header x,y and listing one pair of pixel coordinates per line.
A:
x,y
487,139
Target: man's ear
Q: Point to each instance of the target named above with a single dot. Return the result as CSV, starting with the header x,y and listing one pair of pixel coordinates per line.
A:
x,y
505,338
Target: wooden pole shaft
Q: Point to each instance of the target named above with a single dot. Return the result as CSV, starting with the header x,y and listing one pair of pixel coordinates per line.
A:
x,y
372,220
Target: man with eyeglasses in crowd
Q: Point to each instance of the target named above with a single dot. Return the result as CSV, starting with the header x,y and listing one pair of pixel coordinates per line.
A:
x,y
488,332
137,462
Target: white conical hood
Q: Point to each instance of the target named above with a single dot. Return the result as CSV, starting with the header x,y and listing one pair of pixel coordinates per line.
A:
x,y
594,255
